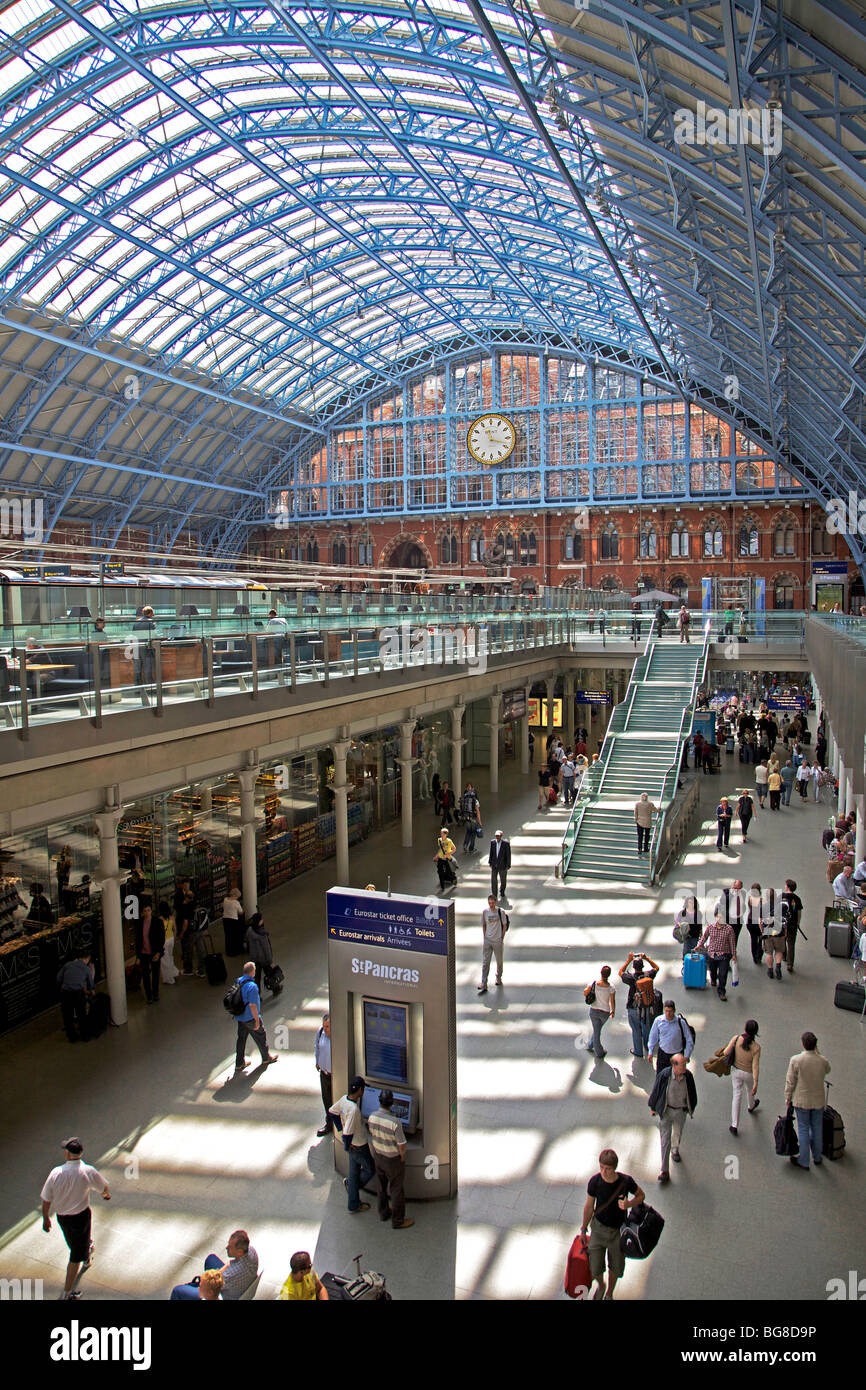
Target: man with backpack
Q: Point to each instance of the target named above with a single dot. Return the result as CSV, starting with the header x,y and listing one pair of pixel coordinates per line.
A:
x,y
792,911
494,925
639,974
674,1098
244,1003
670,1034
470,813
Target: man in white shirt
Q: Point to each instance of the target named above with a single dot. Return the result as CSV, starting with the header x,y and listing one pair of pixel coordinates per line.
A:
x,y
494,925
843,886
348,1119
67,1189
278,627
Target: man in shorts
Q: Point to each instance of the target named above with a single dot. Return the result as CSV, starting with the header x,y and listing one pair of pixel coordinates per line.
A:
x,y
67,1189
609,1196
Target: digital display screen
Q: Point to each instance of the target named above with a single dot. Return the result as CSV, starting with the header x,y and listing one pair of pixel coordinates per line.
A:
x,y
386,1041
403,1108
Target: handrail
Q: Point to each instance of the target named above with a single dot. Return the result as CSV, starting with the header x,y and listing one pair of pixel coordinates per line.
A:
x,y
566,861
661,818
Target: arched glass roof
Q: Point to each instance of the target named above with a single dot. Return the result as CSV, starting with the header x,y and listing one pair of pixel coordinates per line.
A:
x,y
282,205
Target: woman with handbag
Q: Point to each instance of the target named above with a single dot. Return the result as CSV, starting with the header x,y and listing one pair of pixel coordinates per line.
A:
x,y
745,1058
601,997
688,924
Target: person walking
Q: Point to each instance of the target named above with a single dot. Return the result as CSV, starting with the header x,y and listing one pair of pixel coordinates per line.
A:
x,y
609,1196
774,784
661,620
77,985
149,946
250,1024
346,1117
494,925
787,774
745,811
804,773
388,1145
674,1099
567,776
718,938
444,859
601,997
67,1190
683,623
257,944
499,860
670,1033
724,816
322,1055
804,1090
745,1054
644,810
730,908
792,912
762,776
470,810
755,920
639,1019
168,971
446,804
816,782
602,625
543,787
688,924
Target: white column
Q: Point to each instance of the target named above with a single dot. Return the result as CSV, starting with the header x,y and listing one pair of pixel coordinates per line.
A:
x,y
849,795
407,729
568,710
247,778
524,734
457,742
837,761
495,726
341,810
843,779
112,915
860,831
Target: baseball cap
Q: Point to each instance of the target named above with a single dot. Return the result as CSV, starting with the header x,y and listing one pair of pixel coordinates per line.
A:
x,y
73,1146
497,832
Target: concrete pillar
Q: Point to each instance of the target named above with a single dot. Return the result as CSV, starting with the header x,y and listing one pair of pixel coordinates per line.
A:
x,y
849,795
524,734
112,915
568,710
341,810
247,779
495,726
835,762
407,729
457,742
843,780
860,831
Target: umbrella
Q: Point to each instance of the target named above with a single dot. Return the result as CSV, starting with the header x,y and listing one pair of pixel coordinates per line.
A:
x,y
656,596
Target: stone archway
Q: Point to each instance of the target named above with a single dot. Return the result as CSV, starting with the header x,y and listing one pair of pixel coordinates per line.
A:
x,y
408,555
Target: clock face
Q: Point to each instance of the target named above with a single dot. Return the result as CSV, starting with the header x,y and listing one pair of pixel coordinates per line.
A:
x,y
491,438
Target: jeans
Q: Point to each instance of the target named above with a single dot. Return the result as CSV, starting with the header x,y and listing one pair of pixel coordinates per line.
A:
x,y
598,1018
787,788
568,790
741,1081
189,1292
640,1031
719,966
810,1132
149,977
671,1125
362,1170
259,1037
723,833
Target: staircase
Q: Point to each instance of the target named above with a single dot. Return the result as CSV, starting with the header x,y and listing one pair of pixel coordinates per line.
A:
x,y
641,753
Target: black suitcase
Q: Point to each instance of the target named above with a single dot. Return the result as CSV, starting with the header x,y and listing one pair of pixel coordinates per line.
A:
x,y
214,965
234,934
833,1143
98,1015
850,996
838,939
274,978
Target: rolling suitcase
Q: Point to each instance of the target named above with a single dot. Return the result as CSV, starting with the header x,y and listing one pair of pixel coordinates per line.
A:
x,y
98,1015
214,965
833,1145
695,970
729,745
578,1278
850,996
838,939
235,932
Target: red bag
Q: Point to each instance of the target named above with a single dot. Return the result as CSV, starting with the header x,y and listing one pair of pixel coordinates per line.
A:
x,y
553,796
578,1280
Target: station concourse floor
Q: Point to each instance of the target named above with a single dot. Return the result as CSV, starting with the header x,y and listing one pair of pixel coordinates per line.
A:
x,y
189,1159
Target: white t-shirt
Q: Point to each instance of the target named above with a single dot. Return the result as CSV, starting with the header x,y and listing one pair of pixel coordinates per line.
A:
x,y
493,921
278,625
352,1120
604,996
68,1187
232,909
761,774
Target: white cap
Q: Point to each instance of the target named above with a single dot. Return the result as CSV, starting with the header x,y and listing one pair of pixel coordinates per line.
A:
x,y
497,832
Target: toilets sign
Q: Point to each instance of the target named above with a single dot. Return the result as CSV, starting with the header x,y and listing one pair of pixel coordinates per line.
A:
x,y
375,919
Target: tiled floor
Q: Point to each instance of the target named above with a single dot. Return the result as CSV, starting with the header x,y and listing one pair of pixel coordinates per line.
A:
x,y
189,1158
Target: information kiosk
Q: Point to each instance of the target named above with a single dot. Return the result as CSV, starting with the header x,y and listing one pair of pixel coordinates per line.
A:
x,y
394,1022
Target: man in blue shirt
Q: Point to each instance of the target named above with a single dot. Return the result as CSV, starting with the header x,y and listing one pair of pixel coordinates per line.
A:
x,y
75,979
323,1067
250,1023
669,1035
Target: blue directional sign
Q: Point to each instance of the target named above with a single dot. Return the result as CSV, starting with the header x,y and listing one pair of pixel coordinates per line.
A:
x,y
374,919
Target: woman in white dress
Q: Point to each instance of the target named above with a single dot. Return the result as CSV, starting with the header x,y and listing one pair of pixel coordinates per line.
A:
x,y
168,971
